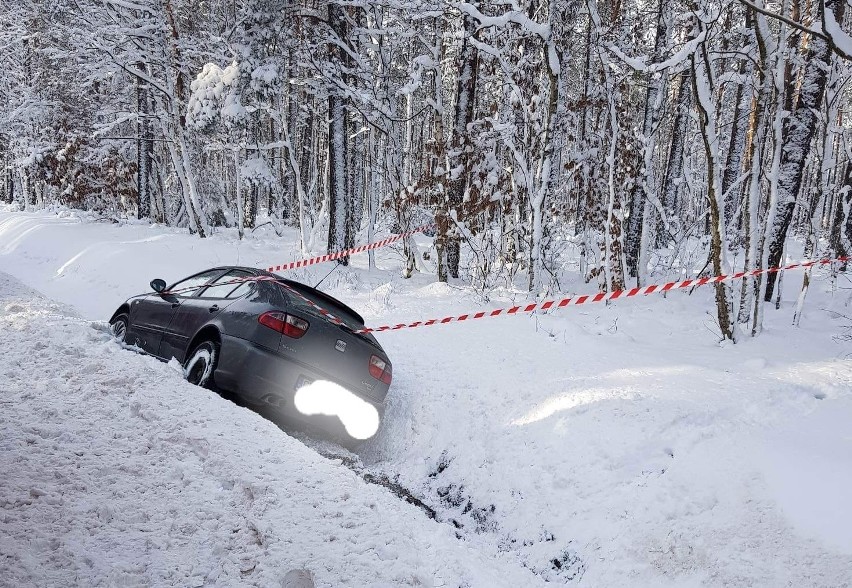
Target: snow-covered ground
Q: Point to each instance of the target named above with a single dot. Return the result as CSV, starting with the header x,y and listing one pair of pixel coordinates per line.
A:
x,y
601,446
117,472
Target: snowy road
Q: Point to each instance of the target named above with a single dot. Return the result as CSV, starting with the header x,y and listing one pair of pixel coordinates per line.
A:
x,y
611,446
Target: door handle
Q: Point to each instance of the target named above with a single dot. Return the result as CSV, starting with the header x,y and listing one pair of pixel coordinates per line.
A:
x,y
175,304
214,308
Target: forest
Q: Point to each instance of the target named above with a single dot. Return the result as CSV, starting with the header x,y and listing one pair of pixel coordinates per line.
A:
x,y
620,140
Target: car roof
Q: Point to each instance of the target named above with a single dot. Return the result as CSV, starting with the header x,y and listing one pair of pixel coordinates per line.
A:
x,y
222,268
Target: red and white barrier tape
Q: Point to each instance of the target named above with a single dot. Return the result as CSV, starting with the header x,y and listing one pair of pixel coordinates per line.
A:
x,y
600,297
345,252
543,306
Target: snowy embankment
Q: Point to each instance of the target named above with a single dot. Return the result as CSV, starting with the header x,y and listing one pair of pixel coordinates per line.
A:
x,y
117,472
602,445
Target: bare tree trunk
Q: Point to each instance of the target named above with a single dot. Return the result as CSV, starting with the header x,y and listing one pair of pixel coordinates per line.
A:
x,y
307,156
250,206
822,181
800,130
645,182
674,167
178,146
144,148
810,244
300,197
339,212
293,194
441,166
10,185
759,122
544,172
840,235
774,73
460,143
373,188
582,186
405,185
736,146
613,253
703,85
337,181
238,187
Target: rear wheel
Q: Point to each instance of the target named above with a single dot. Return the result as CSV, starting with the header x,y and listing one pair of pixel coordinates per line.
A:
x,y
199,368
118,326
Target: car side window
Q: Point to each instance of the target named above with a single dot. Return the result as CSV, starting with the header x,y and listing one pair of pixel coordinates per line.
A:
x,y
226,285
189,286
241,290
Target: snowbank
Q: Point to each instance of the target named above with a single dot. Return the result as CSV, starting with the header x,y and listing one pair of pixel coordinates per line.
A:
x,y
117,472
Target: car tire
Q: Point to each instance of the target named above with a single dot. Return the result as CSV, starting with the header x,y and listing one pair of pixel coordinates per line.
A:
x,y
201,363
118,326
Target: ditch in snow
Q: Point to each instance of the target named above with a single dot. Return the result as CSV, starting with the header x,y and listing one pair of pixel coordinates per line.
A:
x,y
452,505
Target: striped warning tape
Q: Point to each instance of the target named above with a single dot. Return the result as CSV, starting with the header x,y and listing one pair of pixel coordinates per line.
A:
x,y
600,297
314,260
337,255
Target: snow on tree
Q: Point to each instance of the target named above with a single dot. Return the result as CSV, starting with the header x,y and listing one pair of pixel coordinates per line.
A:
x,y
522,130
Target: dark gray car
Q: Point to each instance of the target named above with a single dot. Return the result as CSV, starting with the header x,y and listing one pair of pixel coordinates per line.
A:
x,y
271,341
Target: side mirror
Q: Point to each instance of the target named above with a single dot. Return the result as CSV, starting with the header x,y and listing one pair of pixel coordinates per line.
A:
x,y
158,285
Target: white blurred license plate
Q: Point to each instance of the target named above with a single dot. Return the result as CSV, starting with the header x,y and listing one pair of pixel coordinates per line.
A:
x,y
303,381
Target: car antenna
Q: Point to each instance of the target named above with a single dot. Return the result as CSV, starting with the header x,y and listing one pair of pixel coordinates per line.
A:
x,y
336,265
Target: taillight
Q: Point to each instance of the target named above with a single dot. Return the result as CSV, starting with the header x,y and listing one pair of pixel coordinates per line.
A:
x,y
289,325
381,370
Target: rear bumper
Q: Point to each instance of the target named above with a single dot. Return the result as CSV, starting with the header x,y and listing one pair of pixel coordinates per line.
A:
x,y
264,378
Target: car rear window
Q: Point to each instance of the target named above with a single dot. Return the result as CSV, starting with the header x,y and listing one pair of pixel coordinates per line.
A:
x,y
189,286
242,290
227,287
351,318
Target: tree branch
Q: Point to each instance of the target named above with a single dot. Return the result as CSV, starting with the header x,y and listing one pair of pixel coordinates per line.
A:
x,y
821,32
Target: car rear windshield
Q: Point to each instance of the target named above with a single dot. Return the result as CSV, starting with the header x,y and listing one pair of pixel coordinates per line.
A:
x,y
352,319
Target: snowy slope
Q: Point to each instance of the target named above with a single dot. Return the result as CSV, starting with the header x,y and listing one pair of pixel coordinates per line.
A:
x,y
117,472
603,445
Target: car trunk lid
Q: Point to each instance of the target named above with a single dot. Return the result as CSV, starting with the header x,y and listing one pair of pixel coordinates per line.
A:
x,y
331,343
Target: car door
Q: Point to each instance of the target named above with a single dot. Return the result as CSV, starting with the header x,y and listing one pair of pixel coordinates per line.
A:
x,y
149,317
196,310
156,311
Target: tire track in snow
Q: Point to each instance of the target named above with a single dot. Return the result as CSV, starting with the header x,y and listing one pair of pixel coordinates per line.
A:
x,y
457,511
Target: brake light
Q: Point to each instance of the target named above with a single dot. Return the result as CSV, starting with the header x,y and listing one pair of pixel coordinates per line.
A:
x,y
381,370
284,323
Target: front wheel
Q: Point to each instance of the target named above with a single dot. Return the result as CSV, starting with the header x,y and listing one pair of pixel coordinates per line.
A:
x,y
118,326
199,368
